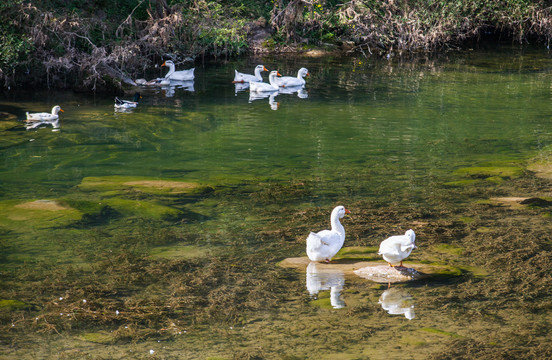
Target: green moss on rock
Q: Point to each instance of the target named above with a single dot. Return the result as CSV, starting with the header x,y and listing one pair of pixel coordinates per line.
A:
x,y
461,183
449,249
100,337
113,185
36,214
486,172
11,305
357,253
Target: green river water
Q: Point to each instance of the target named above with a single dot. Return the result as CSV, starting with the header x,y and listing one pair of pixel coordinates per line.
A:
x,y
157,233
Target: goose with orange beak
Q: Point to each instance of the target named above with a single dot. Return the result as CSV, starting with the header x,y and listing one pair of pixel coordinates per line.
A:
x,y
323,245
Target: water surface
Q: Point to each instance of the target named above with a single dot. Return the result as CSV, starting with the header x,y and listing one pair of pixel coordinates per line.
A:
x,y
174,215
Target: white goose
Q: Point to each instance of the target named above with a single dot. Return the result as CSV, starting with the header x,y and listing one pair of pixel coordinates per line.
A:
x,y
43,116
397,248
182,75
289,81
127,104
245,78
323,245
264,87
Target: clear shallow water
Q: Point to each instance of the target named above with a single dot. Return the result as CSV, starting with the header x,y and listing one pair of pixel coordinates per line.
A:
x,y
367,130
439,116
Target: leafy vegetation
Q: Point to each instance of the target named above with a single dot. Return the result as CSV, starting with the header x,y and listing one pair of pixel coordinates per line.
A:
x,y
50,41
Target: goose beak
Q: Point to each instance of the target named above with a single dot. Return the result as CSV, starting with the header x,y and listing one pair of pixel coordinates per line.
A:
x,y
277,73
347,211
264,68
61,110
164,64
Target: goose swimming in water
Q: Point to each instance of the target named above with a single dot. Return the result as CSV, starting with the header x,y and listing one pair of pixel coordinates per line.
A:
x,y
182,75
246,78
264,87
289,81
44,116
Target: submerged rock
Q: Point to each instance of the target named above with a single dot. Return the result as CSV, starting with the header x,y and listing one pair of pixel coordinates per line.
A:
x,y
376,271
49,205
123,184
346,267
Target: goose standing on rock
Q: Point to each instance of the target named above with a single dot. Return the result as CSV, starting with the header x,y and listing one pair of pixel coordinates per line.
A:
x,y
290,81
44,116
127,104
397,248
182,75
246,78
255,86
323,245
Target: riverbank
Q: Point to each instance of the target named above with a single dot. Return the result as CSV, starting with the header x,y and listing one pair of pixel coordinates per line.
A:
x,y
98,46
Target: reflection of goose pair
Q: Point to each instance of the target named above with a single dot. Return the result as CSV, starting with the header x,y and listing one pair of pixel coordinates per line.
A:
x,y
395,301
301,93
323,245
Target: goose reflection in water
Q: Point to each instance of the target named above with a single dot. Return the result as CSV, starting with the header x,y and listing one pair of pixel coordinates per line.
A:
x,y
170,89
300,90
124,110
239,87
271,98
397,302
44,123
320,278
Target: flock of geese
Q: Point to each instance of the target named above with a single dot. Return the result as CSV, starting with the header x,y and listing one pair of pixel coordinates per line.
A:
x,y
324,245
321,246
258,89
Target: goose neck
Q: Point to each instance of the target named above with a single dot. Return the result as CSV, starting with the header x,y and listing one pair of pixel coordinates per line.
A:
x,y
171,69
336,225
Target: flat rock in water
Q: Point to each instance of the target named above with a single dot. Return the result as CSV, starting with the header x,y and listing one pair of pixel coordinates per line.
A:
x,y
344,266
378,272
50,205
387,274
